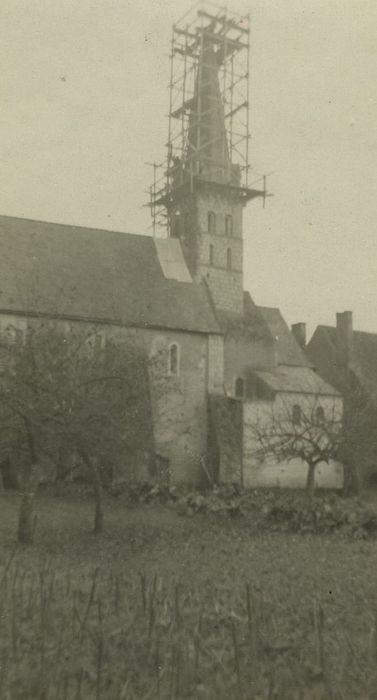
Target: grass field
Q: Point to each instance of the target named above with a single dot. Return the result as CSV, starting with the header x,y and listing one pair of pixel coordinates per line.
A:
x,y
162,606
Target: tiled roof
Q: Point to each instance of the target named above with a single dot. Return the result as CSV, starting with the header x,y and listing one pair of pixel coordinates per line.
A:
x,y
267,324
98,275
364,354
288,350
301,380
250,324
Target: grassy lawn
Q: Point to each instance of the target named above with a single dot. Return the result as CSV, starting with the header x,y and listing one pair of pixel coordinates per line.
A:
x,y
162,606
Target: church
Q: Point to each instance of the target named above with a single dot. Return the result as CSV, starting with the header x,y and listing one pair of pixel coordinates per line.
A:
x,y
181,294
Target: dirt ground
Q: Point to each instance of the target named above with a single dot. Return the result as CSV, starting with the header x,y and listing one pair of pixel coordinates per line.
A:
x,y
313,599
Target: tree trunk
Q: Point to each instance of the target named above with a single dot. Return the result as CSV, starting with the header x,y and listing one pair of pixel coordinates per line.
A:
x,y
97,488
310,479
26,516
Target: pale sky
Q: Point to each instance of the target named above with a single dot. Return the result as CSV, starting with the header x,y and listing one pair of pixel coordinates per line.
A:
x,y
84,102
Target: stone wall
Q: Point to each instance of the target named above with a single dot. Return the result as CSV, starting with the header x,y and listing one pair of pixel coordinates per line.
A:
x,y
191,225
178,403
12,322
216,364
225,439
226,284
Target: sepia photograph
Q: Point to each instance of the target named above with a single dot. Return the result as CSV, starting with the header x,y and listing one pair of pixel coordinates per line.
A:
x,y
188,350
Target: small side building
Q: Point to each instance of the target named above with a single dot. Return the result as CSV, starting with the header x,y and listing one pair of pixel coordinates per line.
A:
x,y
276,378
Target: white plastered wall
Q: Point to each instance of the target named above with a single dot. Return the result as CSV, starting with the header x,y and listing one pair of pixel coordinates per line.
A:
x,y
262,471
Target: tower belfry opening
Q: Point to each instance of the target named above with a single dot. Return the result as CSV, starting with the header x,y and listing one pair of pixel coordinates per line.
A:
x,y
208,136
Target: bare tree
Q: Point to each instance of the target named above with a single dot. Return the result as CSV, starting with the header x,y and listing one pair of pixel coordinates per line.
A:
x,y
304,431
66,392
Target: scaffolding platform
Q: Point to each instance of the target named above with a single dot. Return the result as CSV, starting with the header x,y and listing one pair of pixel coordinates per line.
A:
x,y
208,133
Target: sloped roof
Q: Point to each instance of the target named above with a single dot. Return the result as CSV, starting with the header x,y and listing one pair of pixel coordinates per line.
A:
x,y
364,354
99,275
302,380
288,350
207,141
267,324
250,323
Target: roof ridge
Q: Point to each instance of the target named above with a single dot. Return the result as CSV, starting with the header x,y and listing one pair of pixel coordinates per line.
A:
x,y
270,308
89,273
333,328
74,226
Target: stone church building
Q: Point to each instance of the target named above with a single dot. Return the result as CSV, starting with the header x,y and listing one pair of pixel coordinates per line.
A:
x,y
184,297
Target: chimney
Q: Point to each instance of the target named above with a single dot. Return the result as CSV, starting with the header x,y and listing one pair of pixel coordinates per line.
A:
x,y
344,339
299,333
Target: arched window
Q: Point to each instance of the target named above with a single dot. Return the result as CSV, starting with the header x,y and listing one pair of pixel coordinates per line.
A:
x,y
211,222
320,414
239,388
229,259
211,254
229,225
173,366
296,415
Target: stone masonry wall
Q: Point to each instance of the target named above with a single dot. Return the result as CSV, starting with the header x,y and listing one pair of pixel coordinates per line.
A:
x,y
190,224
226,285
216,364
179,403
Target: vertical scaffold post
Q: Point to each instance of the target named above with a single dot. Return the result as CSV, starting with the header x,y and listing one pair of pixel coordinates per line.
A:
x,y
247,18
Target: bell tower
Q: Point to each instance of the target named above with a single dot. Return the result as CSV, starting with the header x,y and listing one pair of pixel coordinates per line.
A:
x,y
204,185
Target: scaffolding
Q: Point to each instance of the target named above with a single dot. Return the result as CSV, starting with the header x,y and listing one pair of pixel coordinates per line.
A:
x,y
208,136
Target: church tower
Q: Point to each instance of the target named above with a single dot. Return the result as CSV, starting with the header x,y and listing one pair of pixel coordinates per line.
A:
x,y
206,186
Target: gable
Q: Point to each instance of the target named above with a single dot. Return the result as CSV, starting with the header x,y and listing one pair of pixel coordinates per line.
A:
x,y
322,350
288,350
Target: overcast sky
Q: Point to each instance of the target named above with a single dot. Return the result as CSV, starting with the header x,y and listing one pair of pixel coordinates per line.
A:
x,y
84,100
